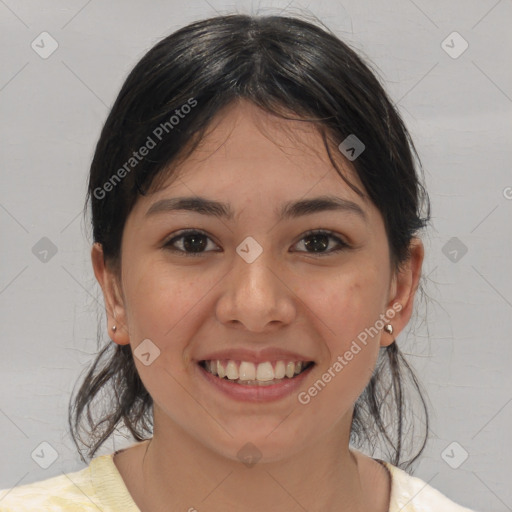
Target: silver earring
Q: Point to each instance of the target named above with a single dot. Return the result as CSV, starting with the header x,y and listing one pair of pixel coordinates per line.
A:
x,y
114,328
388,328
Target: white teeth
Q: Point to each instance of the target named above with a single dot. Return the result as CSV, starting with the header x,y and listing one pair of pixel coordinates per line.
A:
x,y
247,371
280,370
290,370
250,373
232,371
265,372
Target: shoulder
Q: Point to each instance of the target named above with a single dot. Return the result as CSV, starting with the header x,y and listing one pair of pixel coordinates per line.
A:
x,y
411,494
99,486
57,493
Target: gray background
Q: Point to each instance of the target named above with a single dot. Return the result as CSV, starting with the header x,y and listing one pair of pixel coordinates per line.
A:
x,y
459,113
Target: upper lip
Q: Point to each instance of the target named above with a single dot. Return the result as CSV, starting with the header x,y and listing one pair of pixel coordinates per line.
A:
x,y
260,356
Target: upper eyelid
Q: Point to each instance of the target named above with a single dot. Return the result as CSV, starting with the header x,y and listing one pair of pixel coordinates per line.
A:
x,y
185,232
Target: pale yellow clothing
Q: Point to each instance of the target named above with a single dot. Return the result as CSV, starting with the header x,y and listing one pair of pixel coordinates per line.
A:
x,y
100,487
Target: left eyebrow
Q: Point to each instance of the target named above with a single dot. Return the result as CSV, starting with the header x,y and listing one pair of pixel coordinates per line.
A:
x,y
289,210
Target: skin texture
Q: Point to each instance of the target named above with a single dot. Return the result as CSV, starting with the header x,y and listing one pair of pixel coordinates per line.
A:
x,y
290,297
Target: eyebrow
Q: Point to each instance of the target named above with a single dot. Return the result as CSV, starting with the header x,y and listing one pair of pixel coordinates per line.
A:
x,y
289,210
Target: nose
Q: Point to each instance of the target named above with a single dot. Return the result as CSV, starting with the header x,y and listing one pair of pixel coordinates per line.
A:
x,y
256,295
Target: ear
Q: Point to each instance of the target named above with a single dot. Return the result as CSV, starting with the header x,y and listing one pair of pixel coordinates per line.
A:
x,y
402,291
114,304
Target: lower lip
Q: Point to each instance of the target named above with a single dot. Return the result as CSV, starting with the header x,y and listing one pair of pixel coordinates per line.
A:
x,y
255,393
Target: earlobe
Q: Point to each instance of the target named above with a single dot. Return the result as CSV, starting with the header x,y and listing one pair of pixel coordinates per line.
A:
x,y
402,292
108,280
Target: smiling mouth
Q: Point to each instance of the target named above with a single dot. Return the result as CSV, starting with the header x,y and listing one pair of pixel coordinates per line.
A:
x,y
250,374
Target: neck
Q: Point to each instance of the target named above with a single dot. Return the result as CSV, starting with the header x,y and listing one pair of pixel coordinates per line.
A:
x,y
178,473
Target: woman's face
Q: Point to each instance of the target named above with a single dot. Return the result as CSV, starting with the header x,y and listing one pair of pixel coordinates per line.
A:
x,y
256,289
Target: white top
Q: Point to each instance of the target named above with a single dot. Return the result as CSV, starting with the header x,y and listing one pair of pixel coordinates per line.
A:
x,y
100,486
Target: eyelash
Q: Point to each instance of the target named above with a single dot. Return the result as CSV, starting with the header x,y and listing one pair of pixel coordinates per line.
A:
x,y
182,234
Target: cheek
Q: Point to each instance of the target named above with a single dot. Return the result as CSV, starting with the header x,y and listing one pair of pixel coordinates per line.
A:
x,y
160,302
347,307
163,306
347,301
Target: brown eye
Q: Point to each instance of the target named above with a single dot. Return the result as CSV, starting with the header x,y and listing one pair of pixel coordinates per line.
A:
x,y
195,243
191,242
316,242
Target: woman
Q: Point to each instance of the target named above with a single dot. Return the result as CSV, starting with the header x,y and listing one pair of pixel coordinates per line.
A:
x,y
256,211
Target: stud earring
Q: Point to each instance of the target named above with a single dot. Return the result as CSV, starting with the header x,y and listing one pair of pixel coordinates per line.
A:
x,y
388,328
114,328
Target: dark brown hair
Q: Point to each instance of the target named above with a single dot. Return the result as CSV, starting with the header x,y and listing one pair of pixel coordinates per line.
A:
x,y
288,67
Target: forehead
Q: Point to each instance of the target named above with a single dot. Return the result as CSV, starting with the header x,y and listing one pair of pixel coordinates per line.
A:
x,y
243,137
248,154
